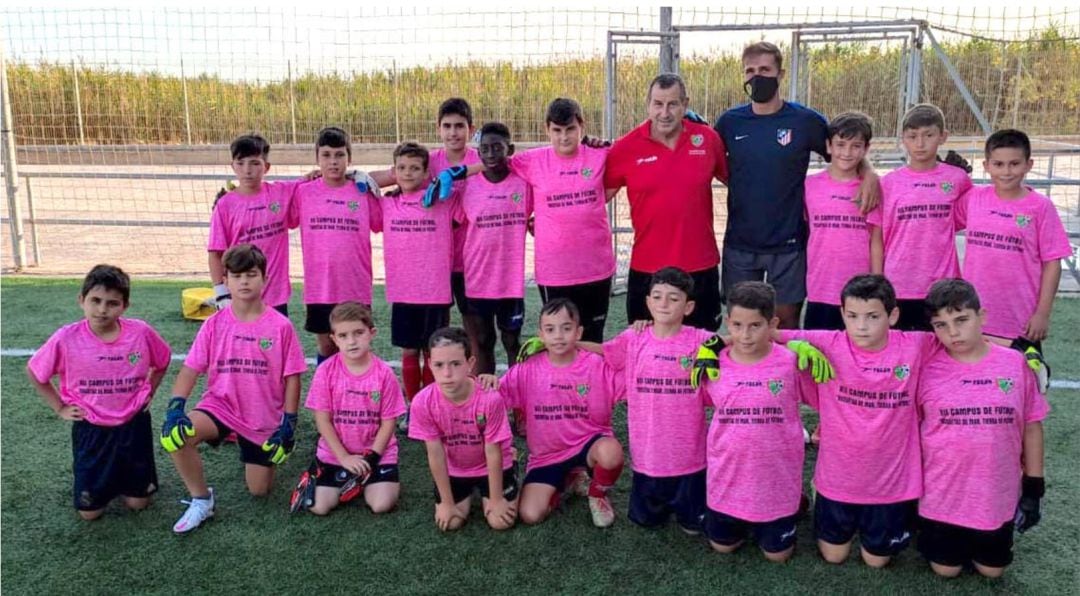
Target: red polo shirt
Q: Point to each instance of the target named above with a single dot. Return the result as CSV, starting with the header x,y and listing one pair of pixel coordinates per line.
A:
x,y
670,191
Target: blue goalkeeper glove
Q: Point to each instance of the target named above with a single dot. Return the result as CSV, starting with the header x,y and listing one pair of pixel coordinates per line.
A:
x,y
442,185
530,348
707,361
177,426
364,182
810,357
693,116
281,443
1027,511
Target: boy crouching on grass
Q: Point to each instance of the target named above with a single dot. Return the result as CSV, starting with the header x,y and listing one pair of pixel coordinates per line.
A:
x,y
109,369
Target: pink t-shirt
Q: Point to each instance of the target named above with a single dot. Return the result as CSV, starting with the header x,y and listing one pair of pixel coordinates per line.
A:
x,y
564,407
335,233
573,236
497,216
246,365
665,416
755,438
357,404
464,429
438,162
109,381
418,248
973,418
1007,244
839,245
261,220
918,227
869,452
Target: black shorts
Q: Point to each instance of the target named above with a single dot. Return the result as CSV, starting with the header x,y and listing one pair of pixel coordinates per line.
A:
x,y
706,298
823,316
336,476
653,499
509,313
556,473
411,325
112,461
250,453
884,530
462,487
592,300
913,316
953,546
773,536
283,309
318,318
457,288
785,272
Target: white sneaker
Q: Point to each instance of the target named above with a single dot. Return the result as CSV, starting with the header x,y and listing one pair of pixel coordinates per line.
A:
x,y
198,511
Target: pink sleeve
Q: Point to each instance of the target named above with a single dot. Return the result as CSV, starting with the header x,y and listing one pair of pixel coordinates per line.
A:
x,y
508,387
318,397
393,403
218,240
498,425
960,210
292,216
522,163
965,184
807,388
421,426
46,360
160,352
615,383
376,214
1053,240
457,211
615,350
198,358
294,354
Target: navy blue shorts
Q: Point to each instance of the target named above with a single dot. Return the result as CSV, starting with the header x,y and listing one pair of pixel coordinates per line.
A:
x,y
884,530
283,309
250,453
411,325
462,487
457,288
773,536
112,461
555,474
785,272
592,299
707,302
823,316
953,546
913,316
508,313
337,476
654,499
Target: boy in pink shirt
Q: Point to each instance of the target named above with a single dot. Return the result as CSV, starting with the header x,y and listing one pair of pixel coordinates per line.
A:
x,y
335,220
418,248
253,363
563,398
109,369
755,441
917,215
356,400
467,435
665,416
253,213
868,471
1015,243
982,441
496,206
842,244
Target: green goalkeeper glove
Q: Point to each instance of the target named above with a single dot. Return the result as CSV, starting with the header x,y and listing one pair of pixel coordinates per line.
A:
x,y
810,357
707,361
530,348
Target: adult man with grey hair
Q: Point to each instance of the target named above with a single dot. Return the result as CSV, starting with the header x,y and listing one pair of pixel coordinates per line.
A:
x,y
667,165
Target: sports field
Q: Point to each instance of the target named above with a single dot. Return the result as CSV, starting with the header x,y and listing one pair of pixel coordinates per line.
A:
x,y
254,545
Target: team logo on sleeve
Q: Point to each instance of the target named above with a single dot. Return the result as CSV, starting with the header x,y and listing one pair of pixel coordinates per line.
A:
x,y
685,362
947,187
697,140
583,389
274,207
1005,384
353,205
265,343
516,197
586,173
783,136
776,386
376,396
901,372
134,357
1022,220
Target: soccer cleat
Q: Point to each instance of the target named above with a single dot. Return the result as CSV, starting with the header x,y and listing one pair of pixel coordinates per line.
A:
x,y
198,511
603,514
577,482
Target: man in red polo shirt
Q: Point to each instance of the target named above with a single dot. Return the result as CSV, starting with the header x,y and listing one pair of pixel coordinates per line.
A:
x,y
667,166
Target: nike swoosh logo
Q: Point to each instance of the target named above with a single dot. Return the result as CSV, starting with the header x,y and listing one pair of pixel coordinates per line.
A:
x,y
787,535
740,137
901,539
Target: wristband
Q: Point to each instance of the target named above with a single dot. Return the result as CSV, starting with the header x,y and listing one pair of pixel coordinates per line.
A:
x,y
1033,487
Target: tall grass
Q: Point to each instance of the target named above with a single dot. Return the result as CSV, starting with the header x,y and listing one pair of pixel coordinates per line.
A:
x,y
1032,84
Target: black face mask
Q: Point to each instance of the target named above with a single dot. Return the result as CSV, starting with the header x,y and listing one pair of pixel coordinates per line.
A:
x,y
761,89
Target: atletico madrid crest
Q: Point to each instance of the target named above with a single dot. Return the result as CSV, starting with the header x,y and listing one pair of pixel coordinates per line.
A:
x,y
783,136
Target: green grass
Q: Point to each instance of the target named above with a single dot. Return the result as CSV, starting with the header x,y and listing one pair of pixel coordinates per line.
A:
x,y
255,545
